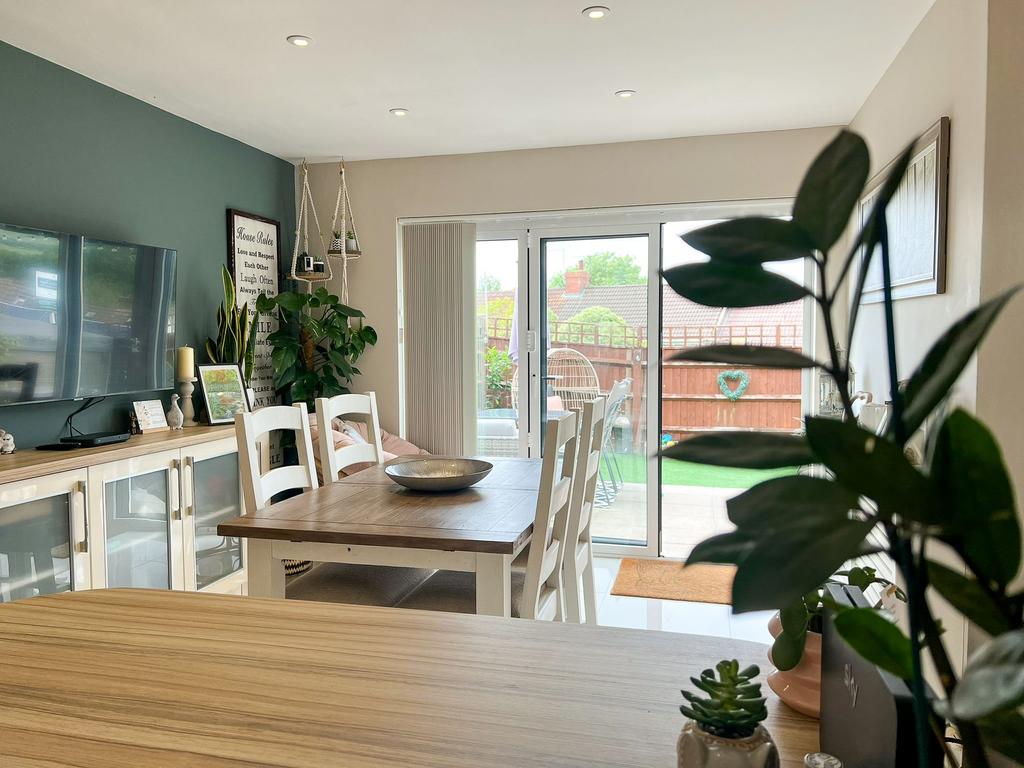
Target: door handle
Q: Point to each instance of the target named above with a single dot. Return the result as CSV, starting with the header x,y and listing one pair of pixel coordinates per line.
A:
x,y
191,484
80,490
176,486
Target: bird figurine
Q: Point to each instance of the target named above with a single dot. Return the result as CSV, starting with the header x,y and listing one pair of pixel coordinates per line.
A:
x,y
6,442
175,418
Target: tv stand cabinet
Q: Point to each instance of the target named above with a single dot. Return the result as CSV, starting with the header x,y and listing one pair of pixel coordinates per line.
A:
x,y
142,513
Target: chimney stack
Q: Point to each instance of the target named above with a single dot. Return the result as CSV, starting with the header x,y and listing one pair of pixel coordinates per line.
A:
x,y
576,280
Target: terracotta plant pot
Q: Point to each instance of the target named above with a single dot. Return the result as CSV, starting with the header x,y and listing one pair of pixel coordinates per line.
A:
x,y
697,749
799,687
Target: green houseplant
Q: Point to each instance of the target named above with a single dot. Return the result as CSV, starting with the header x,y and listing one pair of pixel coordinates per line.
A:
x,y
316,345
724,727
236,331
805,528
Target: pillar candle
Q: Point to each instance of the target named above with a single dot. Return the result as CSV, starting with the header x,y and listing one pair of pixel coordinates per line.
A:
x,y
186,366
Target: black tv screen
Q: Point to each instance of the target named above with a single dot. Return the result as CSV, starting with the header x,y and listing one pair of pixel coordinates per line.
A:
x,y
81,317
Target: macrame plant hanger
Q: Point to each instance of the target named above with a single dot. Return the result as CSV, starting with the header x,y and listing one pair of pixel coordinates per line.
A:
x,y
339,242
304,272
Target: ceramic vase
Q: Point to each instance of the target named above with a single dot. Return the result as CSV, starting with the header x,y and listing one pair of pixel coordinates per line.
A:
x,y
699,749
799,687
337,247
351,245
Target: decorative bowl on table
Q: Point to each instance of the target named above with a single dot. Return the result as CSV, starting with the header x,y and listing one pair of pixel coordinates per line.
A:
x,y
438,473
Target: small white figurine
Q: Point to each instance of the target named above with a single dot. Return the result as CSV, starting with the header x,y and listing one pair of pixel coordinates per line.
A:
x,y
175,418
6,442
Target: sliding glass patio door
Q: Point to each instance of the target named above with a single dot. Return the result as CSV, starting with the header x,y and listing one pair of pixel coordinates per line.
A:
x,y
592,308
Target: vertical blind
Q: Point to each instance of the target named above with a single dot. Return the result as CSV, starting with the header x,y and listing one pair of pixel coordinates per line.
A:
x,y
440,402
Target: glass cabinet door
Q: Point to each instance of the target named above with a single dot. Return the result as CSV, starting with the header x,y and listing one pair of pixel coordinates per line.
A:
x,y
37,537
137,535
215,497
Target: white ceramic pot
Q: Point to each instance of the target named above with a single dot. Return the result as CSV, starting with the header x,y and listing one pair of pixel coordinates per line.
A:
x,y
351,244
698,749
799,687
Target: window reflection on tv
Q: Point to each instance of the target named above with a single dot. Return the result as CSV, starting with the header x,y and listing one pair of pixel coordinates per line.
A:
x,y
81,317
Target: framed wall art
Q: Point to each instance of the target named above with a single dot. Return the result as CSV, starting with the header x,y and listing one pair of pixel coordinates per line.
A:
x,y
916,219
223,392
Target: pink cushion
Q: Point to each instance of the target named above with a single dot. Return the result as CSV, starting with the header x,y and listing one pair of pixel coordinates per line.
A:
x,y
392,445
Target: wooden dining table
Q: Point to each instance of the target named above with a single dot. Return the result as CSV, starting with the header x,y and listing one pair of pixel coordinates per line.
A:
x,y
367,519
159,679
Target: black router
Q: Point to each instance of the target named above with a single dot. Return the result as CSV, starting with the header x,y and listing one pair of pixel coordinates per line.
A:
x,y
96,439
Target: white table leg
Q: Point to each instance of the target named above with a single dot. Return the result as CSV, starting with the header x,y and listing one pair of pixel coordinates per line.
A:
x,y
264,571
494,584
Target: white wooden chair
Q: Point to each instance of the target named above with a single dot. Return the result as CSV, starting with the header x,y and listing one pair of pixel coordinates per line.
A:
x,y
364,408
578,560
537,590
326,582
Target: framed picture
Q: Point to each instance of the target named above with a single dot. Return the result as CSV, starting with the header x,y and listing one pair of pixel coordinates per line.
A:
x,y
150,416
916,219
223,392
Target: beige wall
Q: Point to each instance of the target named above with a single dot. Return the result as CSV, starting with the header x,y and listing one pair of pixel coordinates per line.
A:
x,y
940,71
708,168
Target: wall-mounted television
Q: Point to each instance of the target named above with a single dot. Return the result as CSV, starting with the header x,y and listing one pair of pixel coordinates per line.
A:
x,y
81,317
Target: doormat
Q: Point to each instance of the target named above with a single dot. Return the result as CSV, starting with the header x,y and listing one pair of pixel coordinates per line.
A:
x,y
669,580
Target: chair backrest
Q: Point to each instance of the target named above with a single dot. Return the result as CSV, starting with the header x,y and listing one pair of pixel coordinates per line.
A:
x,y
616,403
585,475
573,377
543,596
363,408
259,486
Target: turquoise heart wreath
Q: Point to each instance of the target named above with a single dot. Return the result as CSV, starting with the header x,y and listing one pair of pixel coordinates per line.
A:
x,y
739,376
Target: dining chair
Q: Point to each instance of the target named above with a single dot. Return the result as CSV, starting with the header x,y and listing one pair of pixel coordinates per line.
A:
x,y
615,409
325,582
362,408
537,588
578,560
573,377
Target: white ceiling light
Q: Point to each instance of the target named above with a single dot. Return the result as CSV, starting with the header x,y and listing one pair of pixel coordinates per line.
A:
x,y
399,111
626,93
300,41
596,12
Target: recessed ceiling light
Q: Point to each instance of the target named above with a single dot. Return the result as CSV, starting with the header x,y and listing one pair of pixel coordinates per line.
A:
x,y
399,111
626,93
596,12
300,41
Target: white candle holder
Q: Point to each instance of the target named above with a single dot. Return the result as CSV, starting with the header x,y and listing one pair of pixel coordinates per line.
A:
x,y
185,389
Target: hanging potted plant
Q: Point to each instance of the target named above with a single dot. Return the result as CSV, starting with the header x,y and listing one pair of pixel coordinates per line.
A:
x,y
796,651
724,729
337,246
351,243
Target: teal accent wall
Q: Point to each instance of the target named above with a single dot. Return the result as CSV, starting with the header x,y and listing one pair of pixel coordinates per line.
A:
x,y
79,157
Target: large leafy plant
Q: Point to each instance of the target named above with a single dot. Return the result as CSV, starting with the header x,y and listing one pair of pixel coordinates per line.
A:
x,y
316,345
793,532
236,331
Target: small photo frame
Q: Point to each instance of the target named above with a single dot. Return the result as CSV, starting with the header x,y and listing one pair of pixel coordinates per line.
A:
x,y
149,416
223,392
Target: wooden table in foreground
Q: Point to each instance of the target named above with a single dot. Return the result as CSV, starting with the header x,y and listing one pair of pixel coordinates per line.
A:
x,y
156,679
367,519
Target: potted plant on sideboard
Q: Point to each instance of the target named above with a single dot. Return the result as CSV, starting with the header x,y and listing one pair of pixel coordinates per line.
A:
x,y
724,728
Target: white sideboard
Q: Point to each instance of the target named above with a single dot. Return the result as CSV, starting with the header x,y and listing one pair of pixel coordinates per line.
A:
x,y
143,513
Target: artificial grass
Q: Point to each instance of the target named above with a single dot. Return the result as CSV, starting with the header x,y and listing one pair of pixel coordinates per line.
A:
x,y
675,472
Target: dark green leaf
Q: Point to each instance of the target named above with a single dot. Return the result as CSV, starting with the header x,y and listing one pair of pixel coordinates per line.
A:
x,y
724,548
785,501
347,311
312,325
860,577
724,284
1004,732
831,188
946,360
229,289
788,648
876,639
292,301
968,597
977,497
369,335
993,679
748,450
873,466
751,240
264,303
788,563
737,354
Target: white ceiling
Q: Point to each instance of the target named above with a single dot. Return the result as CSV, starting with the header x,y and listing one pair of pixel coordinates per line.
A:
x,y
476,75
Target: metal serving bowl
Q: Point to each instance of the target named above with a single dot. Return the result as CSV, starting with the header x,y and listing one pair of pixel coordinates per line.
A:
x,y
438,473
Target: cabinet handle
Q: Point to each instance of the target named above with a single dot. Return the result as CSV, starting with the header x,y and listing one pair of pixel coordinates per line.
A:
x,y
176,509
80,488
190,465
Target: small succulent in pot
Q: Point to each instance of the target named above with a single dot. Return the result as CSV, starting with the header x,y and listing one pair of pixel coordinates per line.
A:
x,y
725,725
350,241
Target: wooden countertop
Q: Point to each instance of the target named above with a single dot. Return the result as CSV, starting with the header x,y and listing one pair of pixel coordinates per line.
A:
x,y
26,464
156,679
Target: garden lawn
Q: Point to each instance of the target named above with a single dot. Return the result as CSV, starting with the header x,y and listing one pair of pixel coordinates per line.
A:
x,y
675,472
